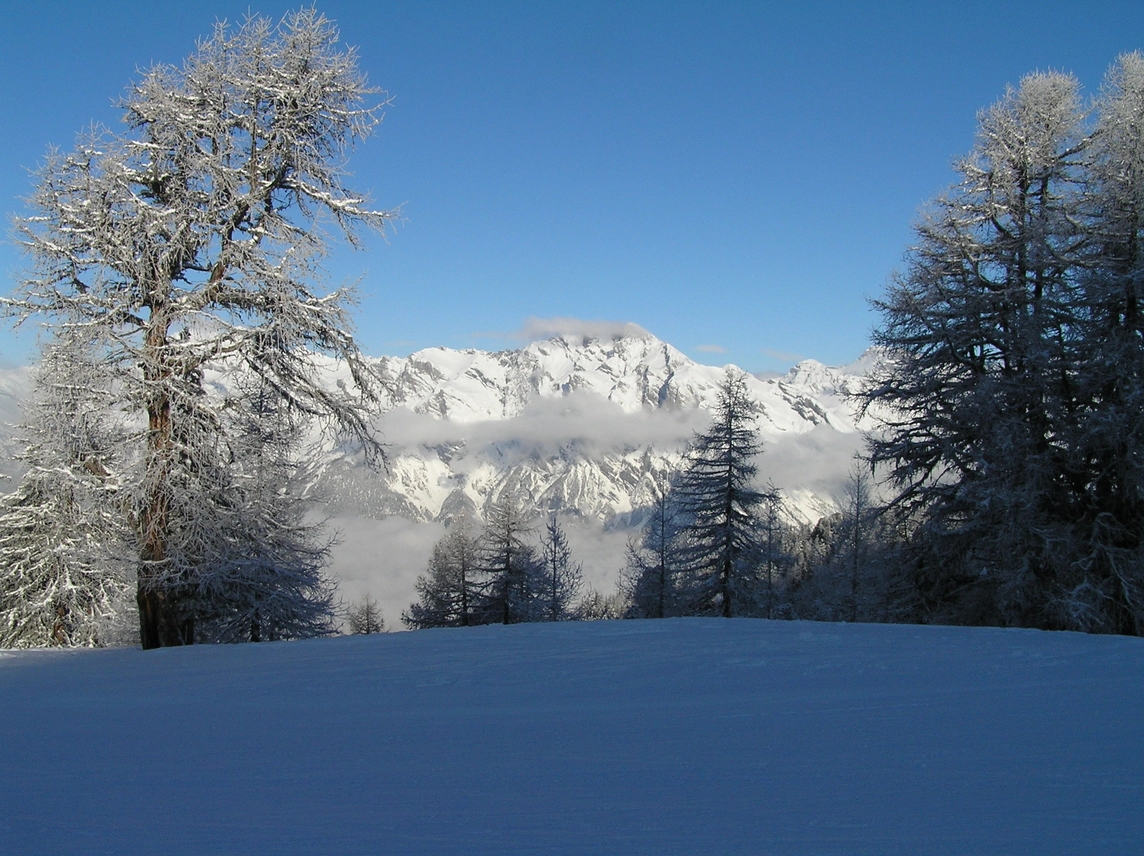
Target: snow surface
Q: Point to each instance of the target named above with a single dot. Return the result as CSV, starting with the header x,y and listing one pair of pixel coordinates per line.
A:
x,y
627,737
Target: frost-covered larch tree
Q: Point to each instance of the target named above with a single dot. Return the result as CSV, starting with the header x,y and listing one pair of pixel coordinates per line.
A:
x,y
1014,382
261,573
1104,588
979,328
65,570
194,238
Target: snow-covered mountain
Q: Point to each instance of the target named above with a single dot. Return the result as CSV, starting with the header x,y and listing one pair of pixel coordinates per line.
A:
x,y
582,426
636,372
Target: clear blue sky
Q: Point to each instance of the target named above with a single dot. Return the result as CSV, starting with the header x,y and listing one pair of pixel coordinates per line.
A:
x,y
735,176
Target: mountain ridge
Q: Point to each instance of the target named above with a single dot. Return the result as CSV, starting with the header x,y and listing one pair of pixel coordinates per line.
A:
x,y
584,426
588,426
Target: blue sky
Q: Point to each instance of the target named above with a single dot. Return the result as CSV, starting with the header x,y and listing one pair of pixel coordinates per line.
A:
x,y
737,178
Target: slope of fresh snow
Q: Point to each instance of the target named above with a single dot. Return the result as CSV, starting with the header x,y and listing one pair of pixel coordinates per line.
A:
x,y
652,737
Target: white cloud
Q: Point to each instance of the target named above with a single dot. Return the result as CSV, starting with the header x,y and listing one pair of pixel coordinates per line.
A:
x,y
546,424
537,329
782,356
382,559
710,349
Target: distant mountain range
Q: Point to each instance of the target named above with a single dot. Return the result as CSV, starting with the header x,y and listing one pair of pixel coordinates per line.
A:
x,y
580,426
584,427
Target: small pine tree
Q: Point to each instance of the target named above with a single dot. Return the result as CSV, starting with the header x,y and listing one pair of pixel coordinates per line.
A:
x,y
649,579
448,593
597,606
365,617
720,541
511,573
775,559
561,576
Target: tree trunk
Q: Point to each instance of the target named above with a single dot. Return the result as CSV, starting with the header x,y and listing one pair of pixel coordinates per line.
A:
x,y
159,626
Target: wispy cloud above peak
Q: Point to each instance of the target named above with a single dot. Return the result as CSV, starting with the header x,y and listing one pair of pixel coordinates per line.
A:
x,y
710,349
783,356
537,329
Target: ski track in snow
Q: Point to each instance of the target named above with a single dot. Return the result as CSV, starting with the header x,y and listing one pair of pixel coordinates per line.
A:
x,y
628,737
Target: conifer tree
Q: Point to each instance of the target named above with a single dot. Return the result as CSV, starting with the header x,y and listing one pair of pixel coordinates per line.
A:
x,y
448,594
562,578
365,617
194,239
720,541
65,568
261,572
1013,378
512,576
1103,588
650,577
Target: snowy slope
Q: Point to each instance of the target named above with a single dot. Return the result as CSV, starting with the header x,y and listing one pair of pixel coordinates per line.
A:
x,y
653,737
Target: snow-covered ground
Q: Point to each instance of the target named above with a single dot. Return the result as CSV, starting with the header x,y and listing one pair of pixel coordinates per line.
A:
x,y
681,736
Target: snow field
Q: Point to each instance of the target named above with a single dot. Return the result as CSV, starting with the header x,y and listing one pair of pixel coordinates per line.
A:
x,y
626,737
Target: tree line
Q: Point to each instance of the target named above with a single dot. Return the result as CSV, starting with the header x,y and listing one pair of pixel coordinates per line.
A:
x,y
713,544
1004,484
499,575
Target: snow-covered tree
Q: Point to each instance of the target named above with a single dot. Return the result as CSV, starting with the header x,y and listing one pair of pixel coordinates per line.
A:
x,y
194,238
859,520
64,540
720,540
562,578
448,594
1013,382
842,565
775,558
261,560
978,329
597,606
1103,588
